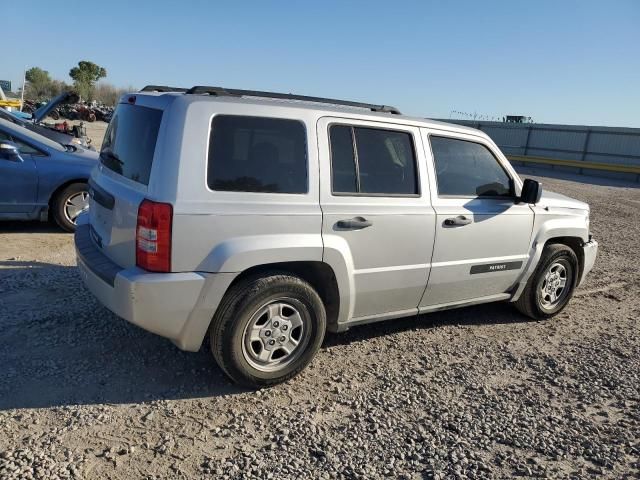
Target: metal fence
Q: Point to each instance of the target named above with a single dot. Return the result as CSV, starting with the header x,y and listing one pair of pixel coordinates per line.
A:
x,y
605,151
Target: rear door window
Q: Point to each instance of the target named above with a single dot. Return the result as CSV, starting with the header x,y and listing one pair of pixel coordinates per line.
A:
x,y
257,154
343,166
130,142
372,161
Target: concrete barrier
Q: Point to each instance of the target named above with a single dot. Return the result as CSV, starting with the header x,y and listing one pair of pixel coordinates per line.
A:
x,y
612,152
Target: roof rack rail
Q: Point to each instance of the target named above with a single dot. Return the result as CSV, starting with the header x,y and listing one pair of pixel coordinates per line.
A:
x,y
233,92
162,88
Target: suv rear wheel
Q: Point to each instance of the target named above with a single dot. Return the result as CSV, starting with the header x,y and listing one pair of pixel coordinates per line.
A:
x,y
267,329
551,286
69,203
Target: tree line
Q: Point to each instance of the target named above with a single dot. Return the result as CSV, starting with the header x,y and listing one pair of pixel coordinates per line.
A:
x,y
86,78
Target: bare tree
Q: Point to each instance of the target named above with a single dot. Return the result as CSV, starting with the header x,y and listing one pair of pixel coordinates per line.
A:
x,y
109,94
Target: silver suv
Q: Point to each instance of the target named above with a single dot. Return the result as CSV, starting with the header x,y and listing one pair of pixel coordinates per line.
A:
x,y
261,220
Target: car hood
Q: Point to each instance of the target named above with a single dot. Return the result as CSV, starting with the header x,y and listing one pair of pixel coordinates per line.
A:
x,y
78,155
21,115
557,200
84,154
43,111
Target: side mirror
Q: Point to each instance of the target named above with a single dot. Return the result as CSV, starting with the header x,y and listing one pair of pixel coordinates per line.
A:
x,y
531,191
9,151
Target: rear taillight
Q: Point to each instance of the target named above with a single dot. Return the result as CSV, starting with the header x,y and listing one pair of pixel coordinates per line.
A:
x,y
153,236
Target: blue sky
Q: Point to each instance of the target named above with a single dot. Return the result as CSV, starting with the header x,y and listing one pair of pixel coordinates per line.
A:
x,y
571,61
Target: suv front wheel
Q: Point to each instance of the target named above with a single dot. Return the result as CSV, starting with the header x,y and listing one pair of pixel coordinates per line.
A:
x,y
552,284
267,329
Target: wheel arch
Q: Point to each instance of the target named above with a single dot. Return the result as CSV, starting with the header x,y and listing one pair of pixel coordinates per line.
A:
x,y
553,232
60,188
313,257
318,274
575,244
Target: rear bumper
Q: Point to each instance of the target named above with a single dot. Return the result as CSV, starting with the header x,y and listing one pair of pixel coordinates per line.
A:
x,y
178,306
590,250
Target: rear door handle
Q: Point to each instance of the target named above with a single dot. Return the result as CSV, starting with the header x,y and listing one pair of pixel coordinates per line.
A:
x,y
457,221
355,223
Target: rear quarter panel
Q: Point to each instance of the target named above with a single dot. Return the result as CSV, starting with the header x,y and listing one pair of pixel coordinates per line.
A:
x,y
215,231
59,169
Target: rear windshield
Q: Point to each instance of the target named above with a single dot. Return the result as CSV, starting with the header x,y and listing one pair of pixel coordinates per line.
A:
x,y
130,141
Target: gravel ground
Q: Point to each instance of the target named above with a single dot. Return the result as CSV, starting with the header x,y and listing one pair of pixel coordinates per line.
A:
x,y
479,392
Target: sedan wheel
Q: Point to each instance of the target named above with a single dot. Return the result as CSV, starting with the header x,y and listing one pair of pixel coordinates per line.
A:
x,y
68,204
75,205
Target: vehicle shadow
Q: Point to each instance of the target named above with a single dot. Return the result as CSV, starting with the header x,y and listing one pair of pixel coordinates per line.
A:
x,y
487,314
29,227
60,347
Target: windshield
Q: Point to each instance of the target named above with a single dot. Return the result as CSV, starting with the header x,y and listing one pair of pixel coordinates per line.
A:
x,y
130,142
29,136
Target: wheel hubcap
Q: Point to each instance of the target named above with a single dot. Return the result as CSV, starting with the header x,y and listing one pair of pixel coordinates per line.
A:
x,y
75,205
553,287
275,336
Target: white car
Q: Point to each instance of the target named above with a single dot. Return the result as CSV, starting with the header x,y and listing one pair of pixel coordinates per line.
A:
x,y
262,220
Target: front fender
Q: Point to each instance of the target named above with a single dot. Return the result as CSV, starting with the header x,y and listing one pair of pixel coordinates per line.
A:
x,y
569,226
547,226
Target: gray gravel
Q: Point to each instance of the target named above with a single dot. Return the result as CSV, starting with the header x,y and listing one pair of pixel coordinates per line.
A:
x,y
473,393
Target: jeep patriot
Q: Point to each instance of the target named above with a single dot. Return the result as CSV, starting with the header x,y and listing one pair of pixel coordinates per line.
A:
x,y
261,220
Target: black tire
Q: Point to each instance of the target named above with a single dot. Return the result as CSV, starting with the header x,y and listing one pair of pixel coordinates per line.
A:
x,y
532,302
59,201
241,305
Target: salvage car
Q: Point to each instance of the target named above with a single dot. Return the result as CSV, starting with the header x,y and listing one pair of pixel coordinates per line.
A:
x,y
261,220
42,179
76,136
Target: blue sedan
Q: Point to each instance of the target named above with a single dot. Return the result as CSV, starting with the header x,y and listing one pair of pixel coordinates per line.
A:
x,y
42,179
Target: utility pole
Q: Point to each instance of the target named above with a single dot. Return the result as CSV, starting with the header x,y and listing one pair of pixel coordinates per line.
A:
x,y
24,81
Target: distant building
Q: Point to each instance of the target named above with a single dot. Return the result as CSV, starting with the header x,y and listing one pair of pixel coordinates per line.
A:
x,y
517,119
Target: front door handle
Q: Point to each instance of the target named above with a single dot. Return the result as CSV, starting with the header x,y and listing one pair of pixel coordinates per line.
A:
x,y
355,223
457,221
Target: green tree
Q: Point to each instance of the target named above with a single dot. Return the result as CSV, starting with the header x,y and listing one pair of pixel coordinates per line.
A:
x,y
85,76
57,87
39,86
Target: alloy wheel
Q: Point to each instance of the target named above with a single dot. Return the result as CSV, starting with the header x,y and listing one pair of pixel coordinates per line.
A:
x,y
76,204
275,336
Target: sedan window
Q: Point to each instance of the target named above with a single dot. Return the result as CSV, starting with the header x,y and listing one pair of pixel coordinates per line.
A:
x,y
28,149
23,147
